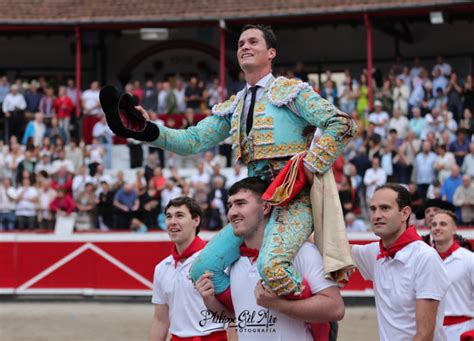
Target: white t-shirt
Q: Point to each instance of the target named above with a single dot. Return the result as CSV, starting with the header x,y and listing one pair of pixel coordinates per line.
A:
x,y
11,164
380,118
257,323
57,164
25,207
460,296
90,98
187,312
372,179
7,199
416,272
79,183
169,194
203,178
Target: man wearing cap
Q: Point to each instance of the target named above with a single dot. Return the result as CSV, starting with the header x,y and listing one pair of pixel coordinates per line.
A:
x,y
459,262
269,121
179,308
380,119
410,281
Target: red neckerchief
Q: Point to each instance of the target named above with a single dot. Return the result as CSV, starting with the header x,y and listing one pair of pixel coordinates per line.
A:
x,y
454,246
196,245
247,252
410,235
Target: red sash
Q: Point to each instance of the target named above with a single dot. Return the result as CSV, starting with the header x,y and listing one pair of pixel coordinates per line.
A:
x,y
247,252
221,335
454,246
450,320
196,245
468,336
409,236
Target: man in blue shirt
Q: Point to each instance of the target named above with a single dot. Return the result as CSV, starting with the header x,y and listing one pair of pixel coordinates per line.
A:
x,y
424,168
451,184
125,203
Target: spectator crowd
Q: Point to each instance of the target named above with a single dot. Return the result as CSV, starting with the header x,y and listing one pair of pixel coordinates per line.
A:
x,y
54,162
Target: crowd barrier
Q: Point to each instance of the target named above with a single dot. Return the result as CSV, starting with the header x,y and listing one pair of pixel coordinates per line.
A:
x,y
106,264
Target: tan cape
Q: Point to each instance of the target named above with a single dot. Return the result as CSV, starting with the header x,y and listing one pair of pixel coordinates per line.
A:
x,y
330,234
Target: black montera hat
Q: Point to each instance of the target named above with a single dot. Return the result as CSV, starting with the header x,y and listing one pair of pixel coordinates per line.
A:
x,y
122,117
444,205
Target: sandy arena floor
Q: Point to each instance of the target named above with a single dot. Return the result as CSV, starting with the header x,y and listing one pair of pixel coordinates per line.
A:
x,y
87,321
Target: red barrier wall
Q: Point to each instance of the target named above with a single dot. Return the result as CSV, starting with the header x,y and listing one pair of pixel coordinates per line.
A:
x,y
104,264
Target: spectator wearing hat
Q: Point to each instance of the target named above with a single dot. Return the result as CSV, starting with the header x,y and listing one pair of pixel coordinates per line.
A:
x,y
429,210
379,118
